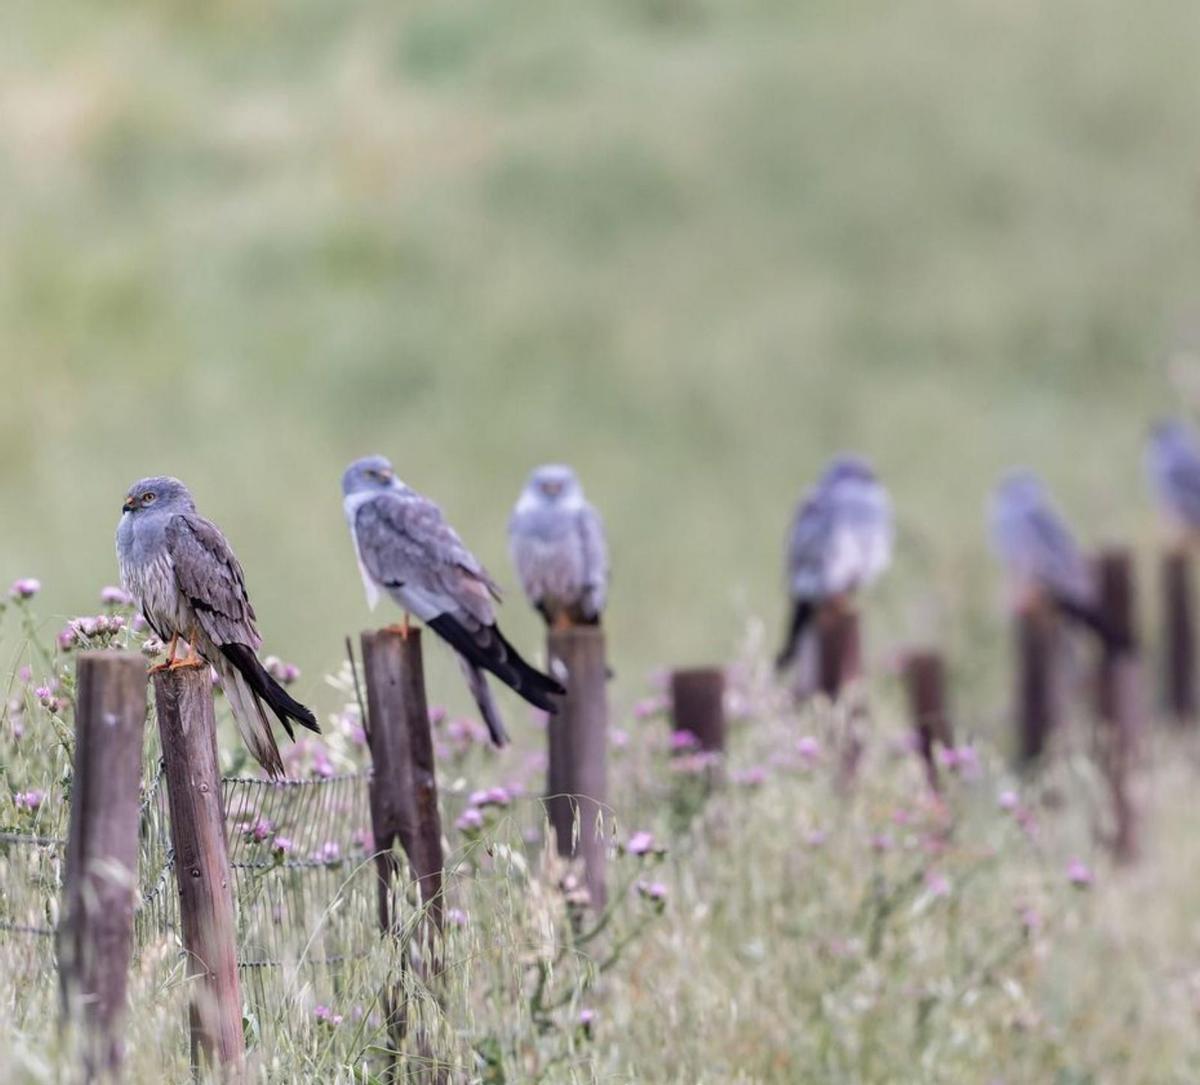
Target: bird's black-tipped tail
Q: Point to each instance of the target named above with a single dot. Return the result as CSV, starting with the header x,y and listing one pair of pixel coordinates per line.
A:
x,y
1092,619
802,612
278,700
488,649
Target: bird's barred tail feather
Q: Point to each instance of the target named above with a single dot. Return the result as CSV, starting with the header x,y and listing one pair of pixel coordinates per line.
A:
x,y
802,612
481,691
247,685
490,651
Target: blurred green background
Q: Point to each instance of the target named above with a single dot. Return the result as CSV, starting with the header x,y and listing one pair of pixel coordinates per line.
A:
x,y
692,248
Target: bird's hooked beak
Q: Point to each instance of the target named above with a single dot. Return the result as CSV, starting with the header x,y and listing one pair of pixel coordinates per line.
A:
x,y
552,488
129,503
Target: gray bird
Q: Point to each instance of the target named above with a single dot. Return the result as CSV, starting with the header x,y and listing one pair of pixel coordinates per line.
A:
x,y
1173,464
556,540
1043,561
406,548
182,574
840,541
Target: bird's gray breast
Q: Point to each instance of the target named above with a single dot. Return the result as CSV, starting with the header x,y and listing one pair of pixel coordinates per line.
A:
x,y
148,574
549,555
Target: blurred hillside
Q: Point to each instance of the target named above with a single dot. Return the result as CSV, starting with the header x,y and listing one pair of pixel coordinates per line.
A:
x,y
691,248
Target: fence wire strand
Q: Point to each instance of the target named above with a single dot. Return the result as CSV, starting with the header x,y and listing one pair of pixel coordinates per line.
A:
x,y
302,885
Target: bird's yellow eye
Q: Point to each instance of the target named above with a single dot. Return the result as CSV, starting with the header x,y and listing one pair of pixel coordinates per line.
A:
x,y
148,498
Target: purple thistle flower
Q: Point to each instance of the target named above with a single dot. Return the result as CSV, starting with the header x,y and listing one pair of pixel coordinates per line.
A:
x,y
684,742
112,596
1079,874
25,673
470,820
640,843
456,917
937,884
808,748
29,800
655,892
67,638
25,587
282,845
329,853
365,839
1008,801
259,830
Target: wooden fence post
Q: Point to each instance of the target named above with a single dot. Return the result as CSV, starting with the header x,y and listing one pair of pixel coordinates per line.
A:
x,y
187,725
925,683
577,768
1036,702
698,705
1118,695
404,808
839,649
96,938
1179,637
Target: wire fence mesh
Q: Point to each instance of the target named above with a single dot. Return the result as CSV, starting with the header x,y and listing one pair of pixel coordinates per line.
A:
x,y
303,882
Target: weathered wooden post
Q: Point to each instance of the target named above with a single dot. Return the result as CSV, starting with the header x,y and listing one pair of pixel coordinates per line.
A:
x,y
839,667
404,808
1179,637
1118,694
1036,706
839,649
925,684
187,725
96,937
577,769
698,705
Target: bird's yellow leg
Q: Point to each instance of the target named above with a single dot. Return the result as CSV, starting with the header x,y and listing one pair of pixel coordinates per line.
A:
x,y
403,628
192,659
170,660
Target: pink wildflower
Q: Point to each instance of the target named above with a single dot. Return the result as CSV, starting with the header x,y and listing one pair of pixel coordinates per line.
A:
x,y
640,843
1079,874
25,587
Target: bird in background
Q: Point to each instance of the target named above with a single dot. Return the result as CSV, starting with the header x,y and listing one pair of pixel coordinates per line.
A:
x,y
840,541
1043,561
184,577
557,544
406,548
1173,464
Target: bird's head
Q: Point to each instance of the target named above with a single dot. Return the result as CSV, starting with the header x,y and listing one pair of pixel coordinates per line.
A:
x,y
160,493
847,467
554,483
1173,435
368,473
1020,488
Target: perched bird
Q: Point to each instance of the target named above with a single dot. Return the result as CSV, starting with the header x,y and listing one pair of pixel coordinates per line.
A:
x,y
556,540
840,541
1041,557
406,548
181,572
1173,463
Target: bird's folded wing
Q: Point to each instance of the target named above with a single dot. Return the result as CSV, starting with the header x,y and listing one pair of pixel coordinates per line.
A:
x,y
211,580
808,544
595,559
405,544
1055,557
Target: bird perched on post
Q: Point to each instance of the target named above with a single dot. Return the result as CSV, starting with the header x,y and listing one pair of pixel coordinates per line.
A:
x,y
1173,464
181,572
1042,559
840,541
556,540
406,548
